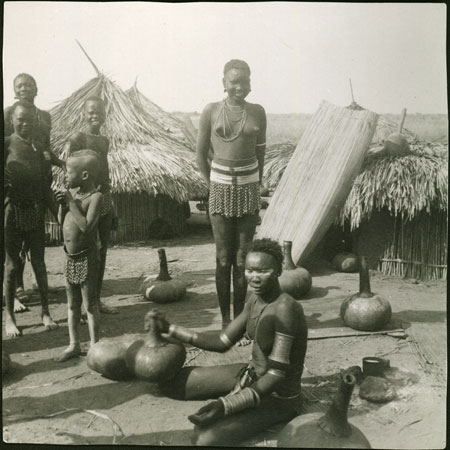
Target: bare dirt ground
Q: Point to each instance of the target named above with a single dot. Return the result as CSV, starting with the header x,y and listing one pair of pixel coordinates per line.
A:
x,y
66,403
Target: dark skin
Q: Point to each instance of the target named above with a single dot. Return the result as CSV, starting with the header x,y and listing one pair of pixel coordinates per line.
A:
x,y
79,228
25,89
94,115
273,311
231,235
23,167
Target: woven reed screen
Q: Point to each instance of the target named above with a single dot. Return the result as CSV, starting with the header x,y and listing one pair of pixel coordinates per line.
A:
x,y
319,177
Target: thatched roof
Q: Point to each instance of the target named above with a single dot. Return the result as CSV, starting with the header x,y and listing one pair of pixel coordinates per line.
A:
x,y
143,156
404,185
179,129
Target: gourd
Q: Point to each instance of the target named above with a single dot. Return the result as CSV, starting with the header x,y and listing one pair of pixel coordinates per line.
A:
x,y
329,431
164,289
6,362
396,144
294,280
155,358
107,356
365,311
345,262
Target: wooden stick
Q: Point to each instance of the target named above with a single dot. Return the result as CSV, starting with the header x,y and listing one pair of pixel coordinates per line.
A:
x,y
402,121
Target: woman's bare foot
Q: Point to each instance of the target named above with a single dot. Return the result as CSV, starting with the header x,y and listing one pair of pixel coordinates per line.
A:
x,y
72,351
19,307
11,328
48,322
106,309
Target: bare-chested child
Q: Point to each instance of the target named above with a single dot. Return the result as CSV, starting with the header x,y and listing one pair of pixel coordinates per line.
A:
x,y
27,195
81,215
25,88
89,137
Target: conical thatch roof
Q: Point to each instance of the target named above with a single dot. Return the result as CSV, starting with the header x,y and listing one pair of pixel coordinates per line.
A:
x,y
143,156
179,129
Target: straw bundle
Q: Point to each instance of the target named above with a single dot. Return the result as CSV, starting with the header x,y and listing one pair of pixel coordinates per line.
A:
x,y
319,177
143,157
181,130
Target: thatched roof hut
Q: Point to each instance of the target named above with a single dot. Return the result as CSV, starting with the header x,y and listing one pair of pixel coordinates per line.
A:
x,y
179,128
396,210
153,175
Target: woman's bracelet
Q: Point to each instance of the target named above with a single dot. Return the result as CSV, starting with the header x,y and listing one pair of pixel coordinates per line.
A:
x,y
182,334
247,398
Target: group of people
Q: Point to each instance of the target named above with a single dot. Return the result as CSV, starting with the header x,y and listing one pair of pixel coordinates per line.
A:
x,y
84,209
249,397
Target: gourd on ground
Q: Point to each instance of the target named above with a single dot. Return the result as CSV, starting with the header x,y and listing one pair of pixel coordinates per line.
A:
x,y
331,430
164,289
107,356
294,280
346,262
365,311
155,358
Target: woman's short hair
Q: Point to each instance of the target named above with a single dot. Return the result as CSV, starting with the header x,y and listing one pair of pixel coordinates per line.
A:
x,y
236,64
268,246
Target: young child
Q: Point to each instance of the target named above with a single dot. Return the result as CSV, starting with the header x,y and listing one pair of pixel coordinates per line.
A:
x,y
89,137
25,88
27,194
80,244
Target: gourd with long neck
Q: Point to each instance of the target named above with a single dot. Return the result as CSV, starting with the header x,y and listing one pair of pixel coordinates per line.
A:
x,y
331,430
365,311
296,281
154,358
164,289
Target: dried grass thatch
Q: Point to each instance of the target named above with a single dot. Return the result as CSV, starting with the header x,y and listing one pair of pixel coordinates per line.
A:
x,y
403,185
143,157
319,177
180,129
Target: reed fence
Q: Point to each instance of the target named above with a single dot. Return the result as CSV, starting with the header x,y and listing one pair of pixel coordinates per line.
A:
x,y
419,247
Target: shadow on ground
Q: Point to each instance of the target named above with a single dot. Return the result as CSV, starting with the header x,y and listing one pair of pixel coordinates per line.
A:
x,y
98,397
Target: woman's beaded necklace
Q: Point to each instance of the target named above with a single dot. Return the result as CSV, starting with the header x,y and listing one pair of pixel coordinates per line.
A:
x,y
224,121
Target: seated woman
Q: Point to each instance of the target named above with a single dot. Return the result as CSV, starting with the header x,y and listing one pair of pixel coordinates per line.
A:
x,y
250,397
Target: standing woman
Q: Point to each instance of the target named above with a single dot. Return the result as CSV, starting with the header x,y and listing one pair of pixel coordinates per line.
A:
x,y
236,131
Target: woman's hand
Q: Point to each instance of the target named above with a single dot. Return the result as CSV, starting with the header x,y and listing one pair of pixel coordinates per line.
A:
x,y
159,321
208,414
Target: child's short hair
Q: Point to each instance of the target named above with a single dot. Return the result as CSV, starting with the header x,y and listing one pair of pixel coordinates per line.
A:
x,y
94,98
268,246
25,75
91,158
236,64
24,104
